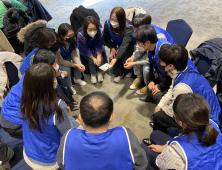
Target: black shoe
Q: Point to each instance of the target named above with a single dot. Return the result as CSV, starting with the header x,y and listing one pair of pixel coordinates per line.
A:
x,y
73,101
151,124
146,99
152,117
147,141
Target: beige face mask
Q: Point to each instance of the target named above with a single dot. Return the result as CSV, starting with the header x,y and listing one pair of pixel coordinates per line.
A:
x,y
173,74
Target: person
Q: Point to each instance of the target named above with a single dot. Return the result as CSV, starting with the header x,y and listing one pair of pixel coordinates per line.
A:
x,y
118,37
139,60
98,145
68,55
158,81
186,79
199,146
90,41
44,116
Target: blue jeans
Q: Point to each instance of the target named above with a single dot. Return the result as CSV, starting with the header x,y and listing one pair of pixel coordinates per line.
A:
x,y
141,69
76,72
63,89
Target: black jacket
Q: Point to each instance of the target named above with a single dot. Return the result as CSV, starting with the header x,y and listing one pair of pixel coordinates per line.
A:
x,y
6,153
78,15
13,21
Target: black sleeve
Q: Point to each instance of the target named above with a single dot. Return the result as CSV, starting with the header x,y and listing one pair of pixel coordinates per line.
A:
x,y
126,42
151,75
107,40
139,154
166,83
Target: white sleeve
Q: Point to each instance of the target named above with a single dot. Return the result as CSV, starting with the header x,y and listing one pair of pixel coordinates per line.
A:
x,y
137,54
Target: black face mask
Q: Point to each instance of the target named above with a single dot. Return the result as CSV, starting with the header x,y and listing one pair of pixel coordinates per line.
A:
x,y
162,67
71,40
54,47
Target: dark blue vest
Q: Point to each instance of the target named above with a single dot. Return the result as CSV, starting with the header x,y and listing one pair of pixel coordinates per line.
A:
x,y
200,85
199,156
104,151
66,53
118,39
42,146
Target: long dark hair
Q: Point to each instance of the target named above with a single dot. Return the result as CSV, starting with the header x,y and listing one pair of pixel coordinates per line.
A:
x,y
90,20
62,31
121,17
194,112
45,37
39,100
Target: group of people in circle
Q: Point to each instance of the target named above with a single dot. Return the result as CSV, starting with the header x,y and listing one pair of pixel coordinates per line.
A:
x,y
37,107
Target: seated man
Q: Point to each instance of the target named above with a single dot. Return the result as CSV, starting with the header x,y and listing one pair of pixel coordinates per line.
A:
x,y
139,60
97,147
186,79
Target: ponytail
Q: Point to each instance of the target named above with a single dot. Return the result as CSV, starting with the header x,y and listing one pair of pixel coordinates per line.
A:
x,y
211,136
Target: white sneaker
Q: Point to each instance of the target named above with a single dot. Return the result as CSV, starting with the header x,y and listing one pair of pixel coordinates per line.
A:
x,y
117,79
93,79
100,77
79,81
129,75
73,90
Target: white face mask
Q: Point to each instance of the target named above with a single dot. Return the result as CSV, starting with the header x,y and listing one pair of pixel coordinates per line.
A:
x,y
56,67
114,24
91,33
141,49
173,74
55,83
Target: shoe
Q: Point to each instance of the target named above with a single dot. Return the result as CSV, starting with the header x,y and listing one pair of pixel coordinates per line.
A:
x,y
117,79
73,101
72,107
100,77
93,79
152,117
146,99
142,91
147,141
136,83
129,75
151,124
73,90
79,81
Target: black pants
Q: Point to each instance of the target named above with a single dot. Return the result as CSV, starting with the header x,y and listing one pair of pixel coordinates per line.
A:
x,y
162,121
159,138
118,68
157,97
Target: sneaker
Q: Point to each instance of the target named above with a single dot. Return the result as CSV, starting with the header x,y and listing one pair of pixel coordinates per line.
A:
x,y
142,91
117,79
73,90
100,77
93,79
136,83
79,81
129,75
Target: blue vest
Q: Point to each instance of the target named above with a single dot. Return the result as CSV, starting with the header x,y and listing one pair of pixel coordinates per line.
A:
x,y
66,53
154,59
162,31
200,85
104,151
199,156
118,39
43,146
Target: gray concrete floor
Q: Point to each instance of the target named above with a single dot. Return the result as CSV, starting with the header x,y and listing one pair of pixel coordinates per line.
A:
x,y
203,16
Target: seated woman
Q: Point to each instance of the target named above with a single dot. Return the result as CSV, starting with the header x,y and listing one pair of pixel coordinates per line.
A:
x,y
45,117
67,56
118,37
90,41
199,146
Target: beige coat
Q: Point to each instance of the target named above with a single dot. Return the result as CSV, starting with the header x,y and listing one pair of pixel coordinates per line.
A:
x,y
4,43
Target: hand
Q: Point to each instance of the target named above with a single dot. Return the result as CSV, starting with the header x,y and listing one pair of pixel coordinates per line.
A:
x,y
65,73
113,53
69,110
131,59
157,148
157,109
155,90
80,67
151,85
113,62
99,60
80,123
129,65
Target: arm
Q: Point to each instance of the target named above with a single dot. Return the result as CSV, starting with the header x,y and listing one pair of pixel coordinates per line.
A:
x,y
98,47
139,154
75,57
83,47
19,5
167,81
137,54
126,42
151,75
107,40
63,62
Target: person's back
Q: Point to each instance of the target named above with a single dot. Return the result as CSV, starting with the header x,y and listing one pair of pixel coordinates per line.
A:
x,y
97,147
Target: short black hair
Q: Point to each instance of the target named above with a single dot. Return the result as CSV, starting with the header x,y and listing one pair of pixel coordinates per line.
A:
x,y
141,19
145,33
44,56
96,109
176,55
